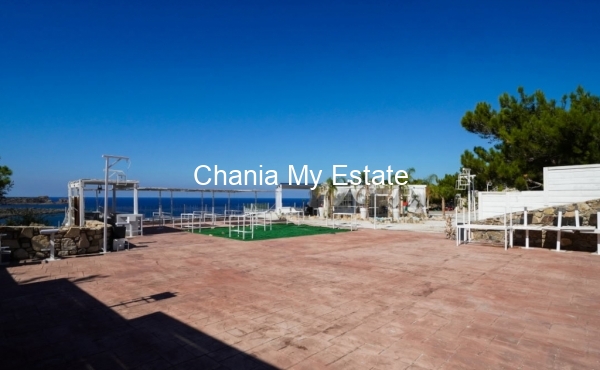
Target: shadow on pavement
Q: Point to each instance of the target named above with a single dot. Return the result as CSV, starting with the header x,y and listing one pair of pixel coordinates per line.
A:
x,y
56,325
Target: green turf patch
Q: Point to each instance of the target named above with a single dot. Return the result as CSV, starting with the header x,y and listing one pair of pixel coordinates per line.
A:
x,y
278,231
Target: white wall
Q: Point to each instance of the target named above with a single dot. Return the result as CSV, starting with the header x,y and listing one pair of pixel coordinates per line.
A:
x,y
562,185
570,184
497,203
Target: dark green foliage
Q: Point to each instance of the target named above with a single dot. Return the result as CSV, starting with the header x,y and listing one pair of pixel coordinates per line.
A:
x,y
530,132
5,182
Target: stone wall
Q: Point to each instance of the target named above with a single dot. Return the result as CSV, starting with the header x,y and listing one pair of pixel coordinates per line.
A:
x,y
26,242
547,217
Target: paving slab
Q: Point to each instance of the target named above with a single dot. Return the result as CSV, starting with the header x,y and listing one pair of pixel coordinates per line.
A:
x,y
367,299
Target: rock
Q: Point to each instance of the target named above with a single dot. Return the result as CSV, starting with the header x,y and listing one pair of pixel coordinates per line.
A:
x,y
72,233
569,214
94,224
93,249
83,242
11,243
40,255
584,207
565,242
27,233
570,207
20,254
40,242
63,253
68,245
549,211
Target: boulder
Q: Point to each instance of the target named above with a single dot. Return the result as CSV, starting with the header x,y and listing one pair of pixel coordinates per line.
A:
x,y
94,224
20,254
93,249
73,232
68,245
27,233
11,243
83,242
40,242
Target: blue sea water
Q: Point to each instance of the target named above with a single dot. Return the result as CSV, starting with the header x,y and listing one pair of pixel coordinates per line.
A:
x,y
147,205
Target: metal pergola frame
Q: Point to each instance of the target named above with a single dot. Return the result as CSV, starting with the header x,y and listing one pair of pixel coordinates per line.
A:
x,y
77,188
202,191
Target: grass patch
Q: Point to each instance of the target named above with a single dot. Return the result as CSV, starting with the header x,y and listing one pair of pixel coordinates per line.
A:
x,y
278,231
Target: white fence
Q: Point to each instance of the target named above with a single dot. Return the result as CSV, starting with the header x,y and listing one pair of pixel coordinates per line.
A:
x,y
562,185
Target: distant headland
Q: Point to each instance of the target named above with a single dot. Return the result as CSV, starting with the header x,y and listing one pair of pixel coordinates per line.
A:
x,y
43,199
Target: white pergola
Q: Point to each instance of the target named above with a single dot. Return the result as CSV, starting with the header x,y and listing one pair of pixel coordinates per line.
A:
x,y
77,189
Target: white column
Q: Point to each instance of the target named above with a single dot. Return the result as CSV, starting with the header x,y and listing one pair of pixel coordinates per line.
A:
x,y
278,198
135,199
104,236
81,205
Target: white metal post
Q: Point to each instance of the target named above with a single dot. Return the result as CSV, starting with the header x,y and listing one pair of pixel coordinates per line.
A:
x,y
526,228
135,199
104,237
81,205
106,167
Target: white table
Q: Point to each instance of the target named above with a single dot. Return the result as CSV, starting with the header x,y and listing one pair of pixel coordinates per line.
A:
x,y
50,232
352,215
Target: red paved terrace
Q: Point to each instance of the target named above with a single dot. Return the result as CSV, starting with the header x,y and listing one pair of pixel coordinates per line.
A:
x,y
369,299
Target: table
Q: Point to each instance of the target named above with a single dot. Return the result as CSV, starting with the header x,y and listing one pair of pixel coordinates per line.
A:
x,y
50,232
352,223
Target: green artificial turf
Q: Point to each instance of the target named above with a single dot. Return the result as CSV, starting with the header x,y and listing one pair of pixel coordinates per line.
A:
x,y
278,231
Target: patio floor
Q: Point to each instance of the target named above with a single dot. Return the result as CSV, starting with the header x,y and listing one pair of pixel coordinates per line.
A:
x,y
368,299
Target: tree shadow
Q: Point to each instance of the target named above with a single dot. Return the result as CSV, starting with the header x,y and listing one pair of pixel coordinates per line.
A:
x,y
56,325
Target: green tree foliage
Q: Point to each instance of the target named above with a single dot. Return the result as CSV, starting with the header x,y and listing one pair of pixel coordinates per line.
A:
x,y
328,189
442,189
530,132
5,182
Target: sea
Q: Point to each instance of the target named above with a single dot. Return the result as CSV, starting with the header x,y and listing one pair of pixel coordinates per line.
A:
x,y
147,205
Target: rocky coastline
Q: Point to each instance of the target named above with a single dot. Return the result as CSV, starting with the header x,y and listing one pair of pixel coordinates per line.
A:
x,y
16,212
43,199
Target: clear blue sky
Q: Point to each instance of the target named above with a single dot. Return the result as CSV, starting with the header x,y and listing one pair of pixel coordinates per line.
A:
x,y
176,84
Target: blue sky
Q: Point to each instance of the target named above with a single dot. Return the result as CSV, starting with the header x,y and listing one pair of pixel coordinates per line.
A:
x,y
237,84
